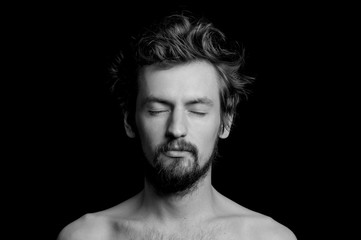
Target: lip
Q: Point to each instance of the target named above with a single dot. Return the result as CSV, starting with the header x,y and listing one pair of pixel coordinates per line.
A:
x,y
176,154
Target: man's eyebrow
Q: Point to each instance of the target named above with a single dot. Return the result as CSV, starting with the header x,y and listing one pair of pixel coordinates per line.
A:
x,y
202,100
153,99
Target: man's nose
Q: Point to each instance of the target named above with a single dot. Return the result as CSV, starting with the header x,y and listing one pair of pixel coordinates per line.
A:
x,y
177,125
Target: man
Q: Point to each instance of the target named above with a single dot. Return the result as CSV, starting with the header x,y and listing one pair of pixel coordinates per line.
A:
x,y
179,94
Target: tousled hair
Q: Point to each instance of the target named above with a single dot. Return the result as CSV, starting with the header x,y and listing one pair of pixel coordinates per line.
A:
x,y
180,39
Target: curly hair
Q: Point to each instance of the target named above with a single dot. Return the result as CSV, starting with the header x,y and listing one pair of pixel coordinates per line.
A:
x,y
180,39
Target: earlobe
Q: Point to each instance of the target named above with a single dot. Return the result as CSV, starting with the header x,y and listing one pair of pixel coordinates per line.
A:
x,y
128,128
226,128
224,133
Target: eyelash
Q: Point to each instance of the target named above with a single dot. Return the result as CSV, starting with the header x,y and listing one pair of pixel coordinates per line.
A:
x,y
199,113
152,112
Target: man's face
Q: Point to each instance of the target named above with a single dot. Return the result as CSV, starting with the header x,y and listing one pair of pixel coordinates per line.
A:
x,y
178,118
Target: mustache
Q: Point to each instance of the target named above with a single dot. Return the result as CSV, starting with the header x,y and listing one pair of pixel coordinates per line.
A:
x,y
178,145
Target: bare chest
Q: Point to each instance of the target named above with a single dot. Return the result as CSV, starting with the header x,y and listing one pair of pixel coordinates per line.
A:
x,y
156,235
208,233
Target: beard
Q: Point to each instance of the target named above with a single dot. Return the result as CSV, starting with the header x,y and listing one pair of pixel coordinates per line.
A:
x,y
178,176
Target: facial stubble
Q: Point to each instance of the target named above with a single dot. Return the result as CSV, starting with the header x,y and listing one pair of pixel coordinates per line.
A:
x,y
175,178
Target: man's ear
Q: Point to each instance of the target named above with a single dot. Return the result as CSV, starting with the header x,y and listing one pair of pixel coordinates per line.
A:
x,y
226,127
128,128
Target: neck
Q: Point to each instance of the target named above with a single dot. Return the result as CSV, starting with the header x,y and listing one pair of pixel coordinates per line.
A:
x,y
175,208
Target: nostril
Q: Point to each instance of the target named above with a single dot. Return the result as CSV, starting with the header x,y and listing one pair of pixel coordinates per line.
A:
x,y
177,130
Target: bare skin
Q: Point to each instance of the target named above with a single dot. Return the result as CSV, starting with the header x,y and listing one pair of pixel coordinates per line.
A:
x,y
142,218
176,112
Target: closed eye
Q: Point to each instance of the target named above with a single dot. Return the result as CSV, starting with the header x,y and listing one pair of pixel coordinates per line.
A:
x,y
156,112
198,113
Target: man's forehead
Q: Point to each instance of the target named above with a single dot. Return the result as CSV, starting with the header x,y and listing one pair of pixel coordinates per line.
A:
x,y
195,81
193,74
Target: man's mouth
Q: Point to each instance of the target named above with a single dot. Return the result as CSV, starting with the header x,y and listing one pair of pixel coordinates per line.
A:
x,y
177,154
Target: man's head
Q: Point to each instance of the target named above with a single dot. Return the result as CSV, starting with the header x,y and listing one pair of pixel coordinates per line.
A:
x,y
180,98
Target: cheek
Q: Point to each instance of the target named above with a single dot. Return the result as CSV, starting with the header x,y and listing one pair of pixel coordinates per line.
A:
x,y
150,134
207,135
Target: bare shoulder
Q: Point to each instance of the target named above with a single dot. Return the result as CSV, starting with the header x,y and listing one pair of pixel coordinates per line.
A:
x,y
104,225
88,227
266,228
255,226
252,225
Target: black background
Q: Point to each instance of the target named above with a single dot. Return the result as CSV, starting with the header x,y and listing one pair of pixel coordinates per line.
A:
x,y
71,155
